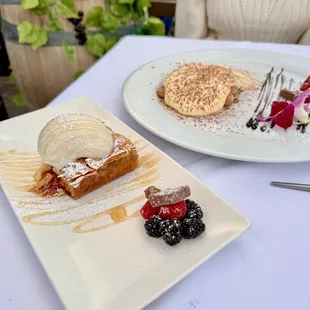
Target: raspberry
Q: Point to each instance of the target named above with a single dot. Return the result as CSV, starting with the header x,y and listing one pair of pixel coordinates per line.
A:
x,y
306,84
171,231
278,106
192,228
285,118
173,211
147,210
193,210
152,226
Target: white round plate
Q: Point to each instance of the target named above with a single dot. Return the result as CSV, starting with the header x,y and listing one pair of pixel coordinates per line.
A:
x,y
225,135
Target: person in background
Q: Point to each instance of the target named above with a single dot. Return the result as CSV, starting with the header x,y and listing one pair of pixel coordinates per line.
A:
x,y
280,21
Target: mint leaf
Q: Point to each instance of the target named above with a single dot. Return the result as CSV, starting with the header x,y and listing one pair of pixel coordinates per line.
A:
x,y
69,4
53,22
29,4
153,26
109,22
32,34
43,7
96,44
94,15
18,99
78,74
64,11
68,50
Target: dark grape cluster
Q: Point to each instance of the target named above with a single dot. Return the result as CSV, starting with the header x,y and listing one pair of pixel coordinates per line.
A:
x,y
79,28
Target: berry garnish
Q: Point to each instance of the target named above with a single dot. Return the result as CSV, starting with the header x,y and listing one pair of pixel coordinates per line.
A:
x,y
171,231
277,107
152,226
285,118
81,13
147,210
193,210
174,211
192,228
306,84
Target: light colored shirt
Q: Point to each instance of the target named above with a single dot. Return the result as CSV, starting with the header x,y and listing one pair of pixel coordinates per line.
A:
x,y
282,21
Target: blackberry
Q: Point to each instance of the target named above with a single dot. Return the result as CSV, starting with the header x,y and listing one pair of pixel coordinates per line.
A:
x,y
193,209
171,231
152,226
192,228
81,13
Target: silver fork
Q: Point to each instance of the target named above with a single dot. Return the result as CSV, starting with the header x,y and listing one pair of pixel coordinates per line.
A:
x,y
295,186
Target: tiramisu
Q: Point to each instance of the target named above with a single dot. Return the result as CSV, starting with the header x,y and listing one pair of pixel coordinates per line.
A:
x,y
199,90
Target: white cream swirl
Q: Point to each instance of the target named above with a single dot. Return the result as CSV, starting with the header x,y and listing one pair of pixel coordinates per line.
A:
x,y
68,137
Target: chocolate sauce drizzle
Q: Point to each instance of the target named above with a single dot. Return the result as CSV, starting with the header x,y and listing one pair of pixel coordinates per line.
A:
x,y
265,96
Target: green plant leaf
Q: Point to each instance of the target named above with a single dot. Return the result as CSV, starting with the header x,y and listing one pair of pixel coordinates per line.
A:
x,y
68,50
41,39
43,7
78,74
109,22
96,44
18,99
29,4
32,34
40,10
119,10
153,26
12,79
53,22
126,1
25,32
94,16
69,4
64,11
141,5
110,42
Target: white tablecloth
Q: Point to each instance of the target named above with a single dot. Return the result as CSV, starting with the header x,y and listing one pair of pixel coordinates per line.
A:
x,y
266,268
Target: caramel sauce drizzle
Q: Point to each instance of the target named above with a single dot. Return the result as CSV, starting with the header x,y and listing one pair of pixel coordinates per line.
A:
x,y
17,170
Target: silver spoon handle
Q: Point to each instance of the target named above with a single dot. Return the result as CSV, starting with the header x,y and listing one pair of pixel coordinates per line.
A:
x,y
295,186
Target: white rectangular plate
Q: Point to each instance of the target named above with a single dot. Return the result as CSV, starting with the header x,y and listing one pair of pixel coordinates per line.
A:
x,y
116,267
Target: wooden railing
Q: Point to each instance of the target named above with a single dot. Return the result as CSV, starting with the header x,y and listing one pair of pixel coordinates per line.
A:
x,y
163,8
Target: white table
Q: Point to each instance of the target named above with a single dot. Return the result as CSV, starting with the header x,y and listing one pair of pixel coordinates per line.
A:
x,y
267,268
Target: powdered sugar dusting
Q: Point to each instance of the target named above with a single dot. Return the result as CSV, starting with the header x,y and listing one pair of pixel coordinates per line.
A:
x,y
232,121
169,196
